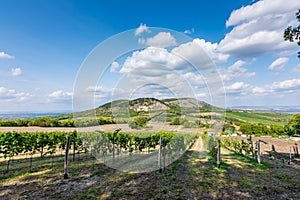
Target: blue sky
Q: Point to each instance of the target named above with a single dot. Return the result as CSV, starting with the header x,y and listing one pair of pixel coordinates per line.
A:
x,y
43,44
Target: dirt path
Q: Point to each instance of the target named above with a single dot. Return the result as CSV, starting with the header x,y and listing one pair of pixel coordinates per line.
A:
x,y
198,146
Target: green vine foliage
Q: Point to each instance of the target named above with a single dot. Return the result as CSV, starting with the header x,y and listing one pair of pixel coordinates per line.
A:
x,y
97,143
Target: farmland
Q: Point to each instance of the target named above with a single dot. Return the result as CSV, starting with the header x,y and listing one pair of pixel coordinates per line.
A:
x,y
150,149
193,176
259,117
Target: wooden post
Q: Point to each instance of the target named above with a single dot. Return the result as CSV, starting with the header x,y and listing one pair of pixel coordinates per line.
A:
x,y
296,151
251,147
113,148
219,154
164,155
290,161
273,148
74,147
159,155
258,151
66,174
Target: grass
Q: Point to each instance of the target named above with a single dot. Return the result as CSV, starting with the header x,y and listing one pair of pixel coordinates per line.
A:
x,y
259,117
193,176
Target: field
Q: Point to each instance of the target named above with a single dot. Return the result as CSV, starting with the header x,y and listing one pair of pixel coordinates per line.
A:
x,y
259,117
193,176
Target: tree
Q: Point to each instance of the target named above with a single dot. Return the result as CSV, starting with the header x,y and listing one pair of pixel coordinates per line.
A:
x,y
175,121
293,33
294,124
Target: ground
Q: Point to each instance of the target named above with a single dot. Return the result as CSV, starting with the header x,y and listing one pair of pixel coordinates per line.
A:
x,y
193,176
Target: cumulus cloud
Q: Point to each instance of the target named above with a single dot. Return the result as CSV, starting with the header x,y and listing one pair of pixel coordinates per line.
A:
x,y
142,28
182,69
7,94
290,85
255,31
144,60
238,88
261,8
212,50
162,39
4,55
16,71
199,54
60,96
236,71
278,64
191,56
114,66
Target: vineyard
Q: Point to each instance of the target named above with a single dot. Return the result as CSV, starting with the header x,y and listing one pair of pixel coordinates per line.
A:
x,y
108,146
32,167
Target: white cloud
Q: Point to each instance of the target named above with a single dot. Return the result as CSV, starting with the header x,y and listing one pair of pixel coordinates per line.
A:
x,y
5,55
262,8
174,69
238,88
143,60
98,89
276,89
16,71
114,66
212,50
290,85
258,28
199,54
100,92
278,64
188,32
201,95
236,71
142,28
162,39
12,95
60,96
260,91
195,79
296,69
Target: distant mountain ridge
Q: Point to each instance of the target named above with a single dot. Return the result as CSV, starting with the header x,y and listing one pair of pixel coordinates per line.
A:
x,y
140,105
281,109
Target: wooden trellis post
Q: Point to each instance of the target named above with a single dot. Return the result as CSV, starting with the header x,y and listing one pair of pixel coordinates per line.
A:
x,y
159,154
258,151
66,174
219,154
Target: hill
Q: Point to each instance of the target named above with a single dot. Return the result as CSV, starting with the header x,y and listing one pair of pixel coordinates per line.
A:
x,y
167,109
125,108
188,112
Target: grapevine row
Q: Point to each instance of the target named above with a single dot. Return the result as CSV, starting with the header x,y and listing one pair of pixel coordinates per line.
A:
x,y
48,143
